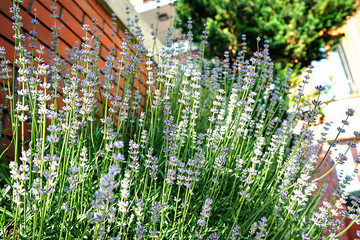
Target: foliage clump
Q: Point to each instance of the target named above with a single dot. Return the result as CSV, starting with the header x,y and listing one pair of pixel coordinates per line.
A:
x,y
298,31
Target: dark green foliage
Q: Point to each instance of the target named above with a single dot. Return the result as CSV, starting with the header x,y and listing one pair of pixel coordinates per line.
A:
x,y
297,29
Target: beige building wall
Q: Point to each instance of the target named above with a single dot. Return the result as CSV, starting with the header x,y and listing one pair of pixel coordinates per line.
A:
x,y
349,51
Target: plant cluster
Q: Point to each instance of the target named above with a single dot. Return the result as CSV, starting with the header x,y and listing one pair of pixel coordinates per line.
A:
x,y
208,151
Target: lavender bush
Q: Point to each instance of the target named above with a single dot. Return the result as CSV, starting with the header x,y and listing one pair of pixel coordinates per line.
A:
x,y
207,151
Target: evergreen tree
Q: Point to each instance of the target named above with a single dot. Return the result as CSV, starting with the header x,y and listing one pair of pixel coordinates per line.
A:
x,y
298,30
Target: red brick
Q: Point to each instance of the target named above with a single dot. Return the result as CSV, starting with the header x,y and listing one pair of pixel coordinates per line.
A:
x,y
143,77
48,3
117,38
44,56
27,42
5,5
72,23
143,90
44,34
25,4
89,22
42,14
101,64
73,8
105,41
60,102
121,33
120,91
68,36
142,67
87,8
107,18
6,29
98,8
107,30
104,52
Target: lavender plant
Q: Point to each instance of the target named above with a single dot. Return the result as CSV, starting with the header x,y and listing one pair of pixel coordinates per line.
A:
x,y
208,151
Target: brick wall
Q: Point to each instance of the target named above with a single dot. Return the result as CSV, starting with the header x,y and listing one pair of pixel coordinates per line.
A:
x,y
72,15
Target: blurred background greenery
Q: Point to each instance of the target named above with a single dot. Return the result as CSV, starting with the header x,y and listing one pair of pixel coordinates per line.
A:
x,y
299,31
